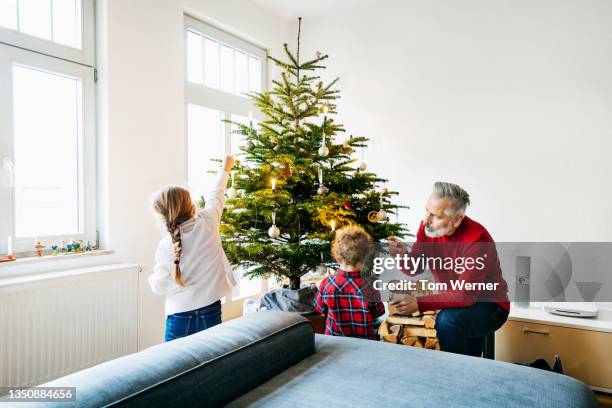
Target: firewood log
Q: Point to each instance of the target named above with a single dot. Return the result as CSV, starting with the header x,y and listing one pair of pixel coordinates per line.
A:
x,y
383,330
413,321
431,343
409,341
419,331
429,322
390,338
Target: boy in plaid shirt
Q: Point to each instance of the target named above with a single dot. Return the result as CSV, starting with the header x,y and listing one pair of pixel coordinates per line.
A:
x,y
348,300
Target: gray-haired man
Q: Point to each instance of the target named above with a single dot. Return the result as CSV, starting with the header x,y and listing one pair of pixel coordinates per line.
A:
x,y
466,317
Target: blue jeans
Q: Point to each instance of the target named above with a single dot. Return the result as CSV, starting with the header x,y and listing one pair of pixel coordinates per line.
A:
x,y
185,323
462,330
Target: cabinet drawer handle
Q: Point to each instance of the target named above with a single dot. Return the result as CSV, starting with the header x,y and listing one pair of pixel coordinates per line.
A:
x,y
536,331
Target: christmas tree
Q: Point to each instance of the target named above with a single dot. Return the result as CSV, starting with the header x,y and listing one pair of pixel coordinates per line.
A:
x,y
295,183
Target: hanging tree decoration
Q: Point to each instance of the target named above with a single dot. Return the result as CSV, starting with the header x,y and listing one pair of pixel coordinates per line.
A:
x,y
274,231
323,150
382,214
232,192
322,189
250,145
347,142
373,217
363,165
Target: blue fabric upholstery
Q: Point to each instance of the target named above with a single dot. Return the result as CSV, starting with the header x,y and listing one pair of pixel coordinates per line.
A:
x,y
206,369
351,373
273,359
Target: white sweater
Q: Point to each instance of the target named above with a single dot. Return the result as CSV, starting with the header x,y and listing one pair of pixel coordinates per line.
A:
x,y
205,269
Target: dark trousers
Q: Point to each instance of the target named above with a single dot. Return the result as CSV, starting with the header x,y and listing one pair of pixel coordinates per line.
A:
x,y
462,330
185,323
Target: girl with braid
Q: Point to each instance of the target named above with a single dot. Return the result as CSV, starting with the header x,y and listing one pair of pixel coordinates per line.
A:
x,y
191,268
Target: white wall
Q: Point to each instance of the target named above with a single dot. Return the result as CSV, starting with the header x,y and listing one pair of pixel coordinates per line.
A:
x,y
510,99
141,117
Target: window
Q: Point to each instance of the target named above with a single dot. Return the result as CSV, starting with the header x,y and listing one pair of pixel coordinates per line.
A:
x,y
46,205
221,62
220,69
62,28
205,141
47,154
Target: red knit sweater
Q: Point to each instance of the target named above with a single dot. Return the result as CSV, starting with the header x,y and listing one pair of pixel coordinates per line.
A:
x,y
469,240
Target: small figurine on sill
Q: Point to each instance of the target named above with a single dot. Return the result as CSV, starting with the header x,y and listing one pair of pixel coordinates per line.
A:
x,y
70,246
62,248
39,248
76,246
54,250
88,247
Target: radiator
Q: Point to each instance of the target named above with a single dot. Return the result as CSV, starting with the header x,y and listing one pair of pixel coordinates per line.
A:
x,y
57,323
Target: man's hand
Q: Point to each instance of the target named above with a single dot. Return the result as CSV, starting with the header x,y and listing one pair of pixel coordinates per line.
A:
x,y
228,163
396,246
406,306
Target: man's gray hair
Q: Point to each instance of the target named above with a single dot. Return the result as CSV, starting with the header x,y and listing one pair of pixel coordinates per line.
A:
x,y
460,198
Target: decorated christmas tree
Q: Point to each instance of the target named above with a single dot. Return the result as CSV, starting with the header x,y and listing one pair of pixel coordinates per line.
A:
x,y
297,180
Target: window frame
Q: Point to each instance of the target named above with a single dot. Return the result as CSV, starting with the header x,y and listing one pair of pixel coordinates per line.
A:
x,y
200,94
85,55
9,56
228,104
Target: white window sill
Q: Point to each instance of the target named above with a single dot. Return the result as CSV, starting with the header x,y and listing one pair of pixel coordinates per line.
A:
x,y
48,263
51,258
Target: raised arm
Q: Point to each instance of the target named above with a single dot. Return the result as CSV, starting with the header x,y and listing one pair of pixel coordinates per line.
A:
x,y
397,247
216,196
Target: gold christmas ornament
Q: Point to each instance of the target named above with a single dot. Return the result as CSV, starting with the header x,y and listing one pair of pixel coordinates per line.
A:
x,y
373,217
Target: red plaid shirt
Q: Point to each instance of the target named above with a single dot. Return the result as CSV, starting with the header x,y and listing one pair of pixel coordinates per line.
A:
x,y
350,303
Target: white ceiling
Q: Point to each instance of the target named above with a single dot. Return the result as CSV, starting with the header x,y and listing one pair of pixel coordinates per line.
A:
x,y
292,9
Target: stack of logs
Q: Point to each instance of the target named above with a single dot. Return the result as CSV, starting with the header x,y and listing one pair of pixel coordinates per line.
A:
x,y
417,330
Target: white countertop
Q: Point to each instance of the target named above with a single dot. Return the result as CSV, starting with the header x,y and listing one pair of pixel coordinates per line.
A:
x,y
535,313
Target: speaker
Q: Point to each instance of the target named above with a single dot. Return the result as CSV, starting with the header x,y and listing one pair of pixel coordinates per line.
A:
x,y
523,273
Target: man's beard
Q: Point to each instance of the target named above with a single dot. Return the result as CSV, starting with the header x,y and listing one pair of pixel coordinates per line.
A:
x,y
437,233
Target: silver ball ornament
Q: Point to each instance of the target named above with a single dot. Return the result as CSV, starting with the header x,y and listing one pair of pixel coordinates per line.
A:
x,y
363,166
322,190
323,151
273,232
382,215
232,193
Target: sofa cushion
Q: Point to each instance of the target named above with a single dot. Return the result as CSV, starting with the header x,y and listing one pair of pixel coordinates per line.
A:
x,y
209,368
347,372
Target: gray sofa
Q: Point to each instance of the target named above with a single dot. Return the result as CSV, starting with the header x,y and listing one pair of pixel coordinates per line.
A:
x,y
273,359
